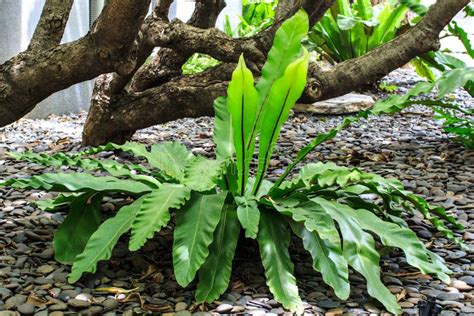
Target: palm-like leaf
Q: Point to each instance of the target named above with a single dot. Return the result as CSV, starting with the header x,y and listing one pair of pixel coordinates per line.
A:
x,y
100,245
215,273
154,212
195,226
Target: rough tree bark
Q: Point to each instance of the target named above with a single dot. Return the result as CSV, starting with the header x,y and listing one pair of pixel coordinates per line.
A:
x,y
152,98
47,67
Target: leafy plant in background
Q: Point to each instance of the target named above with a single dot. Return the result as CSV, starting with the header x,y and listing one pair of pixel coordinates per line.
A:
x,y
456,120
432,64
256,15
198,63
325,205
349,30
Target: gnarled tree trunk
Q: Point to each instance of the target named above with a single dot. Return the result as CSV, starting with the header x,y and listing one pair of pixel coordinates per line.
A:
x,y
47,67
158,92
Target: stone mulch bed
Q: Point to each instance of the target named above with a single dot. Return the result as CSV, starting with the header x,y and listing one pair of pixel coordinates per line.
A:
x,y
410,146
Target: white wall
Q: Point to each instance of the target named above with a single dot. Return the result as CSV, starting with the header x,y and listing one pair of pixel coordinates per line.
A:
x,y
183,9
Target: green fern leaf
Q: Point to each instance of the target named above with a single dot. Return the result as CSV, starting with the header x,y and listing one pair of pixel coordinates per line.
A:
x,y
171,158
394,235
359,251
100,245
285,92
285,49
242,98
321,238
202,174
81,222
223,134
327,259
214,275
154,212
73,182
273,240
195,226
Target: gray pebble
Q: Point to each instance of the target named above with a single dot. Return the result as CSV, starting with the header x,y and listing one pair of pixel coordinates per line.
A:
x,y
79,304
60,306
450,296
110,303
224,308
5,293
26,309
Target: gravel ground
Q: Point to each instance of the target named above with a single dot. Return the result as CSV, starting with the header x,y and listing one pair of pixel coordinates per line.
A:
x,y
410,146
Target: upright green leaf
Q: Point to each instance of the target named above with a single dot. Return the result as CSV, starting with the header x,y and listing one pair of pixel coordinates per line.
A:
x,y
390,20
394,235
214,274
223,134
249,215
172,158
195,226
359,251
285,49
202,174
242,101
283,96
154,212
100,245
363,9
273,240
81,222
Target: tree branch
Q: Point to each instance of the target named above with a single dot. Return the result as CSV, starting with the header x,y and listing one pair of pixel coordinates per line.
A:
x,y
354,73
167,63
186,96
187,39
50,28
31,76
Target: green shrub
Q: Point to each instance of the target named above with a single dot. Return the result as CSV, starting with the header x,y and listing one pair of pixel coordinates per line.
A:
x,y
324,204
348,30
256,16
198,63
